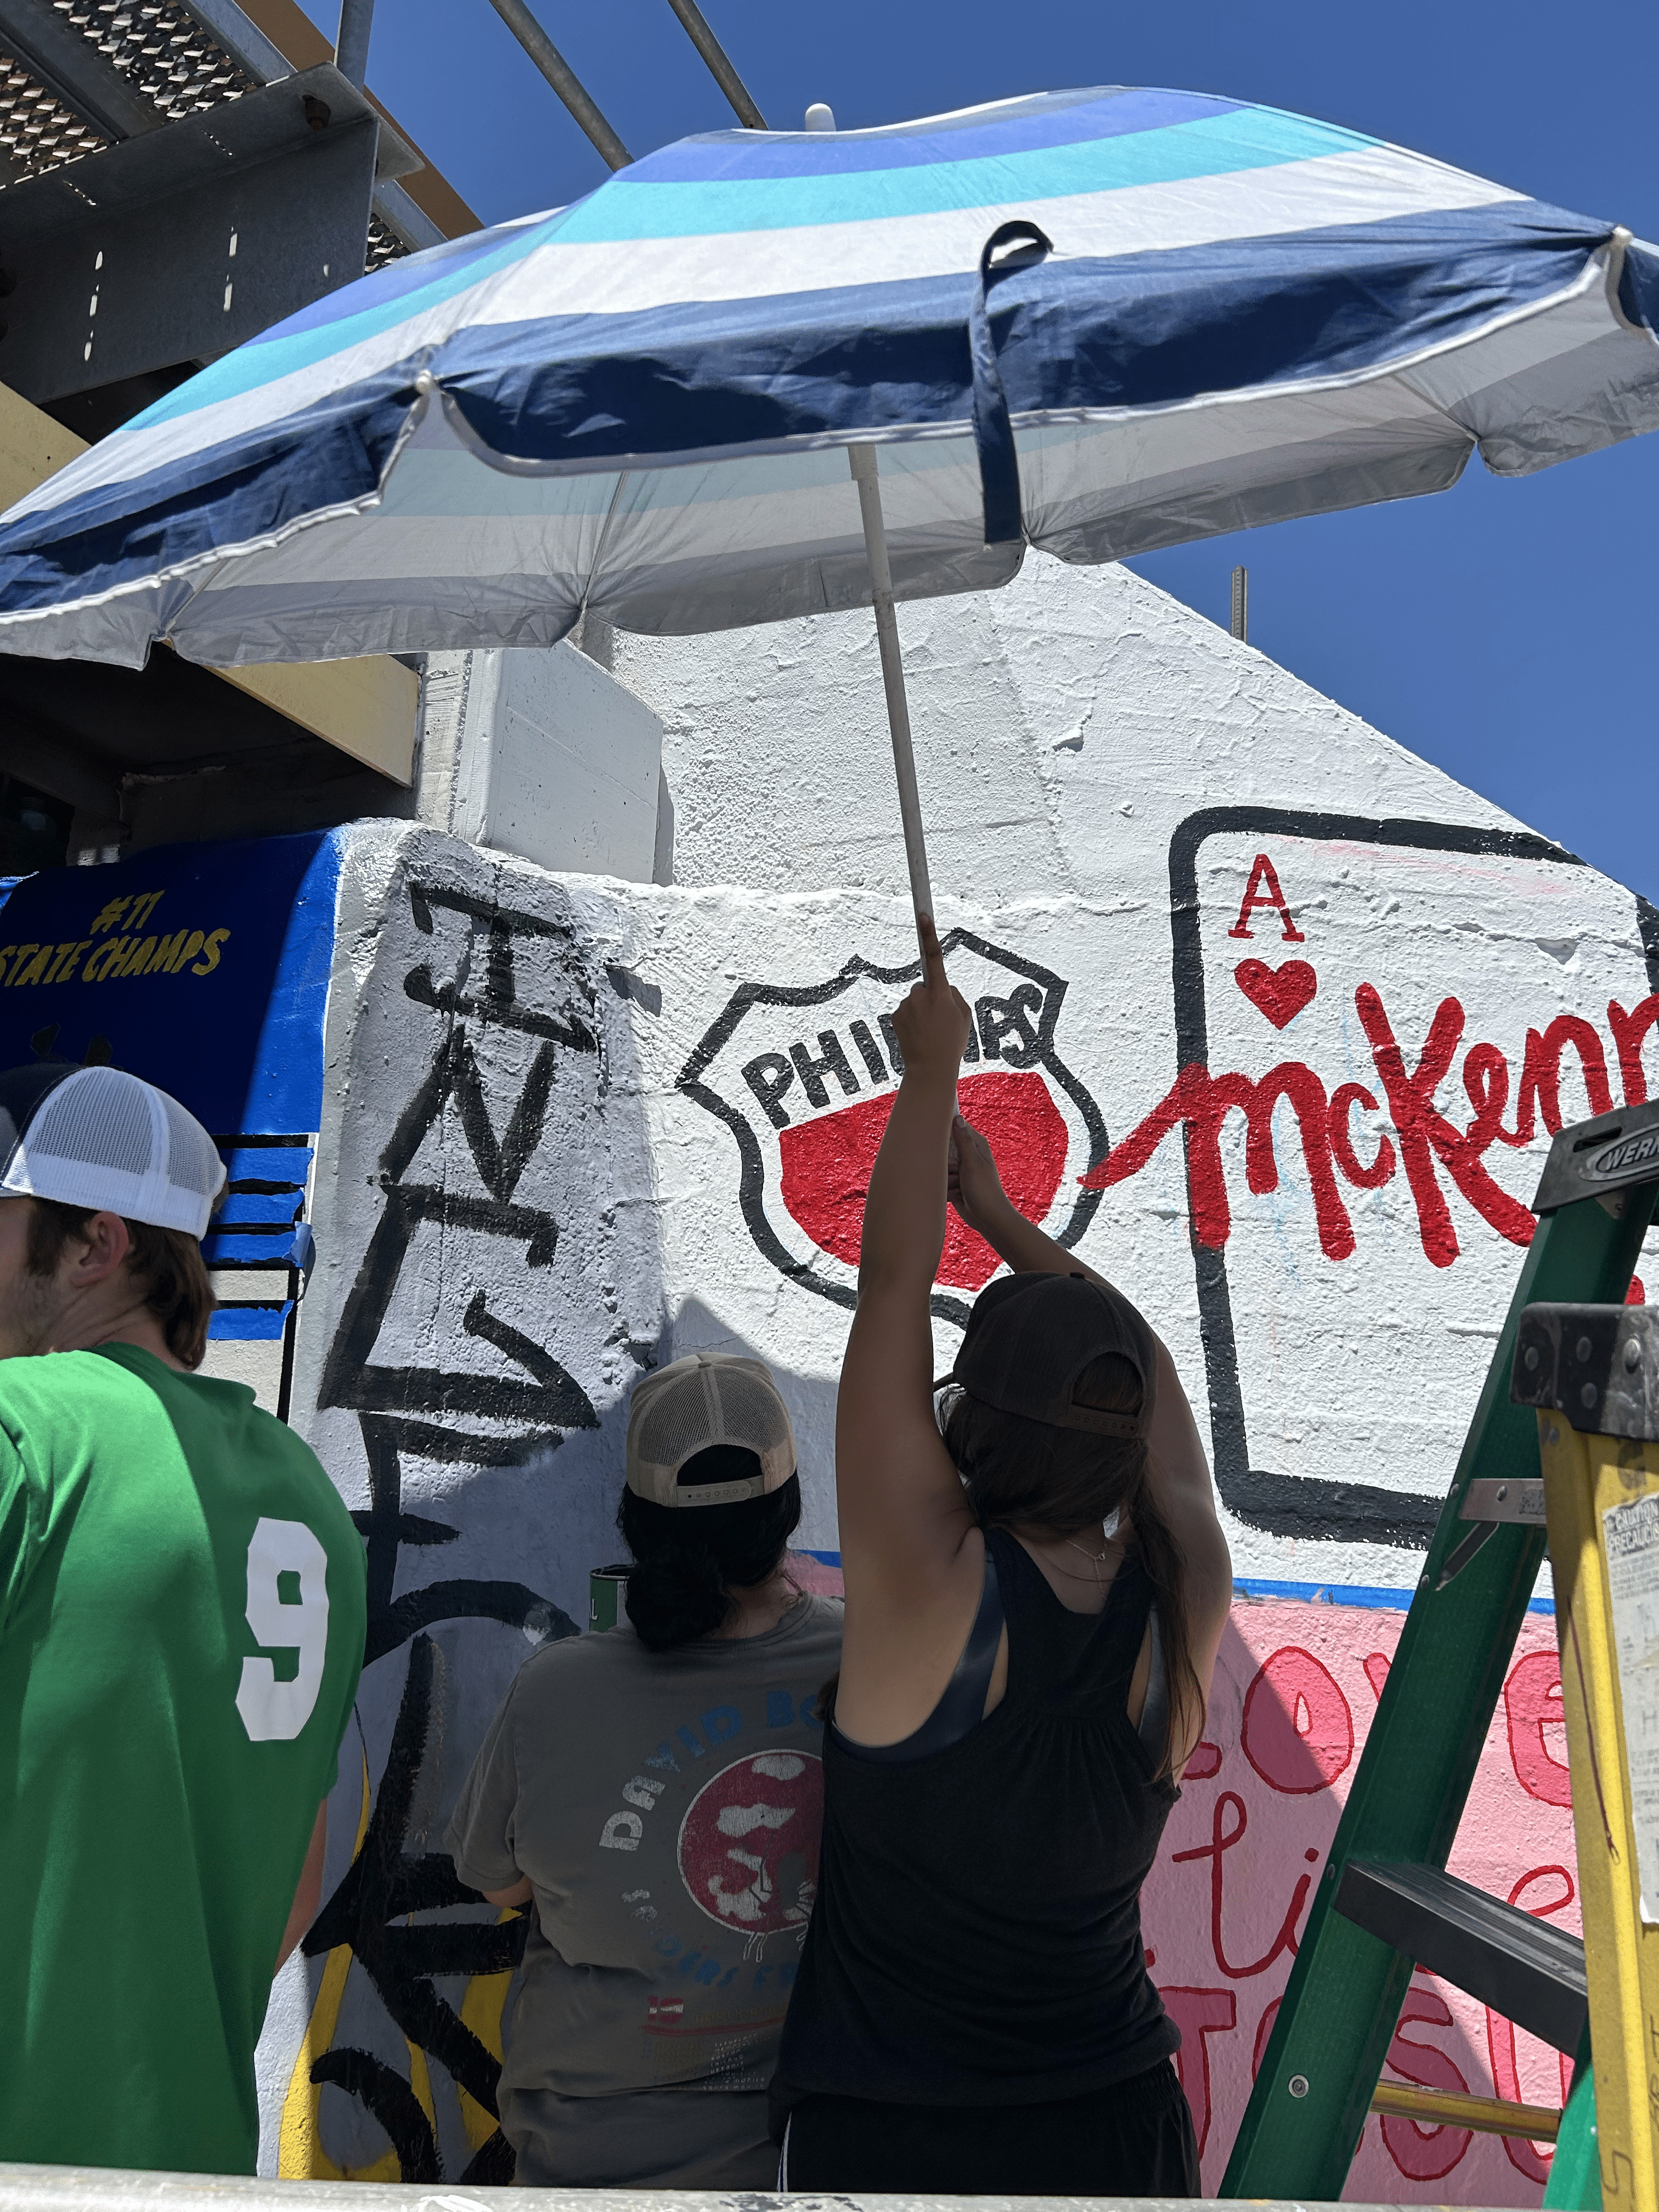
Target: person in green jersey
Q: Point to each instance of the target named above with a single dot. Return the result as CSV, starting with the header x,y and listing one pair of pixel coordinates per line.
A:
x,y
182,1609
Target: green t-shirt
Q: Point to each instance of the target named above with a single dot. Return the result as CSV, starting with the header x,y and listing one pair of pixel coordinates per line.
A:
x,y
181,1630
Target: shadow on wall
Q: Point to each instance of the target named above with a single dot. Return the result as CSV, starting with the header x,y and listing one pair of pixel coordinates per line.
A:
x,y
811,1399
492,1288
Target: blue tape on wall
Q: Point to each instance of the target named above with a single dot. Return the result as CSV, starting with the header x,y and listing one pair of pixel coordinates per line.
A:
x,y
1365,1594
203,968
249,1324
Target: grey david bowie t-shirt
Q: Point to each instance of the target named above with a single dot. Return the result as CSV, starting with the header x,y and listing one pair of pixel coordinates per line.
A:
x,y
665,1808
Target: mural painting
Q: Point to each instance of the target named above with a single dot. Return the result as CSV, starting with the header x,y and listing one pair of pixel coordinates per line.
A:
x,y
140,961
576,1128
1292,1087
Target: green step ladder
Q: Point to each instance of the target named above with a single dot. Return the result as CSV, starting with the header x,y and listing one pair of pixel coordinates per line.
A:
x,y
1385,1902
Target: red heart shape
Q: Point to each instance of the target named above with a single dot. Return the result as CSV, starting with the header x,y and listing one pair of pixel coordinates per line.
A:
x,y
1278,993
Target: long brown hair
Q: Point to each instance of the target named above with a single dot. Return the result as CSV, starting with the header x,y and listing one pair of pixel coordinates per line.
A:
x,y
1021,1473
167,1264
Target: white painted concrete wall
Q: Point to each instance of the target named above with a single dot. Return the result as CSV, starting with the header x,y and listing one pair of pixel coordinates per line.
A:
x,y
550,1160
1062,727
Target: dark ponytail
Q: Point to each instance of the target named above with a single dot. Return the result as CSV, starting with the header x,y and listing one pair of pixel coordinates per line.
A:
x,y
689,1559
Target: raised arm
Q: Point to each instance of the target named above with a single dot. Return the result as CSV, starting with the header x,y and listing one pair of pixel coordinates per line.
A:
x,y
912,1559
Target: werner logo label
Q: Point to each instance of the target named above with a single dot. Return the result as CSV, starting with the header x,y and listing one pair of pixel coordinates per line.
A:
x,y
1619,1159
805,1078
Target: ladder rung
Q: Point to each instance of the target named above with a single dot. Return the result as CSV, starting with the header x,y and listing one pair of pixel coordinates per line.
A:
x,y
1491,2116
1524,1969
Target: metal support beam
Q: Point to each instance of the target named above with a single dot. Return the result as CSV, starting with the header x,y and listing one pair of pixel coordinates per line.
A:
x,y
719,67
351,42
241,39
177,245
563,79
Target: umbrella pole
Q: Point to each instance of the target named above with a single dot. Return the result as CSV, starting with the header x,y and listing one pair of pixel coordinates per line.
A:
x,y
863,461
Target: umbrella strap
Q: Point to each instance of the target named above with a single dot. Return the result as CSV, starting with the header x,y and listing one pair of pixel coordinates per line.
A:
x,y
993,433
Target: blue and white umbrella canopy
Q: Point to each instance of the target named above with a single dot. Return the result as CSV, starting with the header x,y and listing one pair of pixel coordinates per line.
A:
x,y
1097,322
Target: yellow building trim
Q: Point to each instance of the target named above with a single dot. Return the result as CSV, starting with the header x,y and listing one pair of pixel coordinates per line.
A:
x,y
31,447
366,707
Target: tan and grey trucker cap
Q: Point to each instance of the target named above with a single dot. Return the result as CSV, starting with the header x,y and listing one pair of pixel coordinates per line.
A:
x,y
707,1399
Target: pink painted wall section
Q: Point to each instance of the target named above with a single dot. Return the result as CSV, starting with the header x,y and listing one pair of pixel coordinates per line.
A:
x,y
1293,1701
1224,1908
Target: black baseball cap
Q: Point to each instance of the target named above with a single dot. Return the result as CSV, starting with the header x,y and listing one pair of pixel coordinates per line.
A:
x,y
1030,1338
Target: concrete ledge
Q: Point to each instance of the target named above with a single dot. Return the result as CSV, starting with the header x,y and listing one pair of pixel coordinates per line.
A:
x,y
110,2188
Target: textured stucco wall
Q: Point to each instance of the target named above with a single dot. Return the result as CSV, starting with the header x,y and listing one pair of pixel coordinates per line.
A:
x,y
577,1126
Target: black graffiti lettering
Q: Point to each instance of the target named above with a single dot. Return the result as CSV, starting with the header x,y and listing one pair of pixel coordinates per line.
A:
x,y
832,1061
351,1378
499,1002
371,1910
769,1076
513,1604
386,1527
576,1407
432,1412
466,1447
393,2104
1006,1025
869,1052
455,1074
493,2166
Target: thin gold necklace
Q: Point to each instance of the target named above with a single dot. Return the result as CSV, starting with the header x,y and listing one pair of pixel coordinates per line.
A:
x,y
1097,1559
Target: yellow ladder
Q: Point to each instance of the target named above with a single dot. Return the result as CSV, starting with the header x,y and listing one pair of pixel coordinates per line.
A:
x,y
1593,1373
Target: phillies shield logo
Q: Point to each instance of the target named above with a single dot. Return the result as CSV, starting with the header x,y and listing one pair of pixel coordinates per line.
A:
x,y
804,1079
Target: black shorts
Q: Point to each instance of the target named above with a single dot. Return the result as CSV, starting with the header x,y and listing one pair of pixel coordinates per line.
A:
x,y
1134,2139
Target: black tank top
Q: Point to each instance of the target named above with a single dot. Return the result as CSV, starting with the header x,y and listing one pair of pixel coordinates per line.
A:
x,y
976,1934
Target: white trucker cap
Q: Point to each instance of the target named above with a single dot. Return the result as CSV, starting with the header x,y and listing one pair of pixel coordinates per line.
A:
x,y
707,1399
97,1137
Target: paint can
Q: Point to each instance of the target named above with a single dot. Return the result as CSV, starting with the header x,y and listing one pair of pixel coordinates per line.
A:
x,y
605,1595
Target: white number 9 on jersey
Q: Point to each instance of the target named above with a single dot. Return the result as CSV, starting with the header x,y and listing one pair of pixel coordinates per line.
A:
x,y
274,1711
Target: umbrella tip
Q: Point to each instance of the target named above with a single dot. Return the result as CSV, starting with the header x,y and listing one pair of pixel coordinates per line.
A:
x,y
820,116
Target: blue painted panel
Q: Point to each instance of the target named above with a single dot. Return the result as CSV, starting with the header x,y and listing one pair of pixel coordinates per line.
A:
x,y
203,968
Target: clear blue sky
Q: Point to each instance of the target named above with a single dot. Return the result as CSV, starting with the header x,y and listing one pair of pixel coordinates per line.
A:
x,y
1505,630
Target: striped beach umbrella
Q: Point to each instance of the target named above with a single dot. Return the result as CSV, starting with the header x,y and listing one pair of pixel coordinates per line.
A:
x,y
1097,322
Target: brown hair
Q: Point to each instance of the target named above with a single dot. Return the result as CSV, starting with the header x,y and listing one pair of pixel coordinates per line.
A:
x,y
1024,1473
165,1263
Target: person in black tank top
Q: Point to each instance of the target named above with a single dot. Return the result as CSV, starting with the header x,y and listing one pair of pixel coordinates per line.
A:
x,y
1037,1584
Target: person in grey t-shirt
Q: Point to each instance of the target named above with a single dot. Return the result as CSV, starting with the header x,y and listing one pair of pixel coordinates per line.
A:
x,y
657,1792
